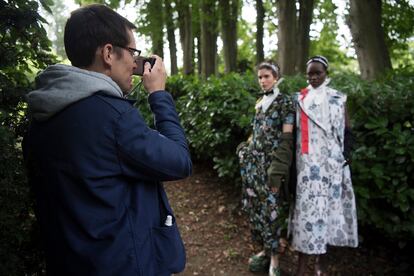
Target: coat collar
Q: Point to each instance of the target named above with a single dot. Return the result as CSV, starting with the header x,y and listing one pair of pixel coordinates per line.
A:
x,y
319,108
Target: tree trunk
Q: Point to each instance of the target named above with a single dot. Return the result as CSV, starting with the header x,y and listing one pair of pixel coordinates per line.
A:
x,y
186,35
303,40
259,31
229,15
169,22
368,36
197,34
287,36
58,26
208,21
157,26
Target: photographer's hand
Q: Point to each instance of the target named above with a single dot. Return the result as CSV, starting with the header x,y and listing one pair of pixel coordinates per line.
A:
x,y
154,78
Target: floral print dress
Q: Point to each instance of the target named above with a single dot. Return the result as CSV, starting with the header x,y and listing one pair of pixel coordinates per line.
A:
x,y
325,211
266,215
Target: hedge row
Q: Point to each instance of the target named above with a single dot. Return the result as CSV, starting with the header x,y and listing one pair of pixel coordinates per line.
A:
x,y
217,114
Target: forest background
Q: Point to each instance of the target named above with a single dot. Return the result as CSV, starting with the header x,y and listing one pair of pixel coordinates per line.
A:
x,y
214,84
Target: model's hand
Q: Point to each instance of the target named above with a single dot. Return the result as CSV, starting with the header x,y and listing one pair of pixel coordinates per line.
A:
x,y
274,189
154,78
275,178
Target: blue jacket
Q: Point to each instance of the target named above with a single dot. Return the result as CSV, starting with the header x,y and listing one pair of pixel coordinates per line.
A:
x,y
96,170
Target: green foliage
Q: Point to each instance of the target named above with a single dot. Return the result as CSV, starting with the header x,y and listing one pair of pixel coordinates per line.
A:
x,y
326,43
398,22
57,26
19,251
217,114
246,56
150,23
24,47
292,84
383,171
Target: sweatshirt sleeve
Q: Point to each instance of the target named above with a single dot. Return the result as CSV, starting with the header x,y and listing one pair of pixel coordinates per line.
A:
x,y
159,154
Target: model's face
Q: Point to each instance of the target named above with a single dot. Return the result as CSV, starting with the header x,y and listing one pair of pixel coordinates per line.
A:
x,y
124,65
266,79
316,73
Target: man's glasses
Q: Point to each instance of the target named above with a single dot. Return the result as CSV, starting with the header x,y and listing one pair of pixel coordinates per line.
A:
x,y
134,52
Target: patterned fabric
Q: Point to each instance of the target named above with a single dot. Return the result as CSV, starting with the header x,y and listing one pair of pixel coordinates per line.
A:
x,y
266,214
325,210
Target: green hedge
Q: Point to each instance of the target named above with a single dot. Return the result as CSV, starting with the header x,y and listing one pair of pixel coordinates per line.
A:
x,y
217,114
24,49
382,115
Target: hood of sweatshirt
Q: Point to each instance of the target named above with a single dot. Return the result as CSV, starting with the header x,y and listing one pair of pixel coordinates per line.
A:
x,y
60,85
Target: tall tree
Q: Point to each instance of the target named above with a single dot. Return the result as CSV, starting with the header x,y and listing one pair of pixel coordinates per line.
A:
x,y
327,44
398,22
287,36
260,14
302,39
155,19
169,22
209,33
58,25
150,23
368,36
229,14
246,54
293,34
196,15
185,26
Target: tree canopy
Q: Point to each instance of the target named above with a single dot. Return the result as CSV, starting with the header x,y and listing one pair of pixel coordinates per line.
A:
x,y
213,40
211,35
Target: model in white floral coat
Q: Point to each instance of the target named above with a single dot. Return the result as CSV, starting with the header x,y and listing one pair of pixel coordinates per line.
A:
x,y
325,211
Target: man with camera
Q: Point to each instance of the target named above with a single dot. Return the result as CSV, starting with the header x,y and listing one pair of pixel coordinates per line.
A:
x,y
94,165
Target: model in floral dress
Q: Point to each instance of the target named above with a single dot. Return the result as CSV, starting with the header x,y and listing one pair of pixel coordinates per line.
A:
x,y
325,211
264,162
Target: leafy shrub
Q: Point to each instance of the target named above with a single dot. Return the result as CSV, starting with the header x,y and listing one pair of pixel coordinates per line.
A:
x,y
24,47
19,251
217,114
292,84
382,115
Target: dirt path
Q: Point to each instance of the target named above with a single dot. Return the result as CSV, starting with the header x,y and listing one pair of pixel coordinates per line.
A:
x,y
217,237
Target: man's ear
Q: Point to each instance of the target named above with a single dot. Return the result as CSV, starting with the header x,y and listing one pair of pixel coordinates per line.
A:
x,y
108,54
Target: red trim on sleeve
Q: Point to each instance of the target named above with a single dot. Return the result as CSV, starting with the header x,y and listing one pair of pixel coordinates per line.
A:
x,y
304,125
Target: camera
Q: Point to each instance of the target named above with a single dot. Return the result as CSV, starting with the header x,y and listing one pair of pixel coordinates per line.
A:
x,y
140,61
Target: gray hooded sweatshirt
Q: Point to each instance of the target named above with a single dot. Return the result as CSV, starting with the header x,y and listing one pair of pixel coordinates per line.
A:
x,y
60,85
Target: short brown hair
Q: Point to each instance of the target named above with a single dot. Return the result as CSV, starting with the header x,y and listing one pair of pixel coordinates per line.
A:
x,y
92,26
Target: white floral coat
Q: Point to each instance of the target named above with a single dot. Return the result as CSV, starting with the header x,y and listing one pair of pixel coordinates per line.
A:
x,y
325,211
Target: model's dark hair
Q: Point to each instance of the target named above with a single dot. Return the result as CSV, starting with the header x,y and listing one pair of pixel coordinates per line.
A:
x,y
273,67
92,26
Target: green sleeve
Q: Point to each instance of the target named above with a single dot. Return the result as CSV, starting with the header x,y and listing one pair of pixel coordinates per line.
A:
x,y
278,171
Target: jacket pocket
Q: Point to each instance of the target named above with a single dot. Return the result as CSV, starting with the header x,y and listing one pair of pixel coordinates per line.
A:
x,y
169,249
